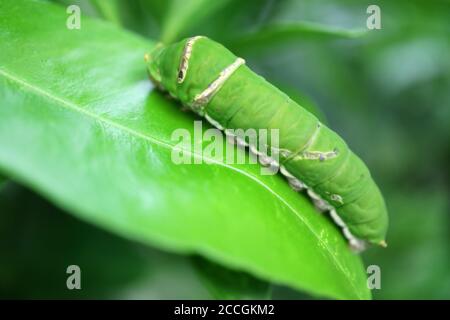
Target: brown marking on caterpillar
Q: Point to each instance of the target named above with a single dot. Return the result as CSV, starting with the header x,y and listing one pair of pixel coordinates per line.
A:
x,y
337,198
284,152
296,184
204,97
316,155
184,62
321,204
264,160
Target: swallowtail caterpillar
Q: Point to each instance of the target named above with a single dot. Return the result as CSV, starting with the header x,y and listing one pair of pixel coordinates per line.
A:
x,y
211,81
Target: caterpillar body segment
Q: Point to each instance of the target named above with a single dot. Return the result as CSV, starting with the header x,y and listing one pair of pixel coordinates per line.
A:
x,y
211,81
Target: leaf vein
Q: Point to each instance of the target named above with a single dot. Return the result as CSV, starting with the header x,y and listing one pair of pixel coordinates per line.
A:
x,y
72,106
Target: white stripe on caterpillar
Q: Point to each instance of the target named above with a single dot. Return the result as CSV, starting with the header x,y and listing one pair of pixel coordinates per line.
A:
x,y
285,173
184,62
336,218
213,122
204,97
311,140
298,154
296,184
356,244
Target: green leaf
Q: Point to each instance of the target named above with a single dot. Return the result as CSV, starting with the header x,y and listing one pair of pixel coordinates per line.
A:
x,y
227,284
183,14
110,10
87,7
232,19
156,8
38,242
123,270
2,181
292,31
80,124
140,16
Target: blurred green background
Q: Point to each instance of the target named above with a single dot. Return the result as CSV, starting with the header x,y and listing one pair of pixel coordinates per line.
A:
x,y
385,91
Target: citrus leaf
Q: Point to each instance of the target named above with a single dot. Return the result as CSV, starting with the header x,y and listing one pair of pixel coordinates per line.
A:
x,y
292,31
81,124
2,181
54,240
227,284
110,10
183,14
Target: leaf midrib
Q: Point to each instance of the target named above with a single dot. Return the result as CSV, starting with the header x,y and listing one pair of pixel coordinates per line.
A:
x,y
74,107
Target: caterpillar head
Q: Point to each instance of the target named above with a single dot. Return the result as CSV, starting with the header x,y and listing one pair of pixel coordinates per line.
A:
x,y
160,62
153,61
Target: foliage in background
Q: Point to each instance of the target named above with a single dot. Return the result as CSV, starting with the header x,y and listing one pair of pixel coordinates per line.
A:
x,y
112,268
386,92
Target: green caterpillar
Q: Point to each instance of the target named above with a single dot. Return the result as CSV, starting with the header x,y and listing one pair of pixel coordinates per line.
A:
x,y
211,81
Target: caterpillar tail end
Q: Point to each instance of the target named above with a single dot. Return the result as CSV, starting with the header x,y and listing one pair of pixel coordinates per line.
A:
x,y
383,244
